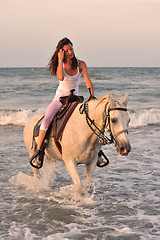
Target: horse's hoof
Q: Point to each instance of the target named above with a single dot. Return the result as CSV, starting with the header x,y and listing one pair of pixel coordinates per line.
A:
x,y
81,191
90,189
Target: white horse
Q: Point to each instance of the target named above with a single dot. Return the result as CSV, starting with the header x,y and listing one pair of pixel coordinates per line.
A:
x,y
92,124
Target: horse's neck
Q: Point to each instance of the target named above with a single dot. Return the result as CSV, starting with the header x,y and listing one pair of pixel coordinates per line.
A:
x,y
99,108
96,109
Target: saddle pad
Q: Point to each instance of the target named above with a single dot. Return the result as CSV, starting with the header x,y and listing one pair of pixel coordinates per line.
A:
x,y
37,127
59,123
57,118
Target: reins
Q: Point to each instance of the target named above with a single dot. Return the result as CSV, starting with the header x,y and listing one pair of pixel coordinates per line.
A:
x,y
103,139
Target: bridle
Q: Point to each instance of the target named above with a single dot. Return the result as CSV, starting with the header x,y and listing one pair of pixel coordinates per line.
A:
x,y
100,133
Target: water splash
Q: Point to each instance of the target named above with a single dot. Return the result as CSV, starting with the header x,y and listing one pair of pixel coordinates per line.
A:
x,y
36,184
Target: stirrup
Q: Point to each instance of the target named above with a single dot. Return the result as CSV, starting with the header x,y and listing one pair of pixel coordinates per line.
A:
x,y
36,160
101,162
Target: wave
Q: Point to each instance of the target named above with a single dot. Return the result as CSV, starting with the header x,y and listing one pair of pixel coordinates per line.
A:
x,y
144,117
17,117
21,117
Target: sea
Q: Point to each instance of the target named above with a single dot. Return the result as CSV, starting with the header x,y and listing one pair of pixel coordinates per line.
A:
x,y
125,202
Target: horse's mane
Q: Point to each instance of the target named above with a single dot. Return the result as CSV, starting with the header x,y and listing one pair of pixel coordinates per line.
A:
x,y
108,98
113,102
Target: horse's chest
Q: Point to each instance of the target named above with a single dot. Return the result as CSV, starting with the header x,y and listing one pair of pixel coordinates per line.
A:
x,y
86,153
85,157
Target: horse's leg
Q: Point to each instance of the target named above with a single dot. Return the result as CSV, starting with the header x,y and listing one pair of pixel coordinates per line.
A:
x,y
72,170
89,174
90,169
35,172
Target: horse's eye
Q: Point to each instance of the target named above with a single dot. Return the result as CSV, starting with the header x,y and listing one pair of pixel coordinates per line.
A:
x,y
114,120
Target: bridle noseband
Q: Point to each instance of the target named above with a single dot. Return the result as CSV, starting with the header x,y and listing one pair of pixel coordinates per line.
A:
x,y
103,139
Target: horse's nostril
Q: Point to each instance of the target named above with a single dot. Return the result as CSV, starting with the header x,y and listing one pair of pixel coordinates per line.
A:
x,y
125,150
122,150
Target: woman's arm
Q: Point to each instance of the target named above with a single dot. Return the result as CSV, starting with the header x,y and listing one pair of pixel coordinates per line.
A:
x,y
83,68
60,71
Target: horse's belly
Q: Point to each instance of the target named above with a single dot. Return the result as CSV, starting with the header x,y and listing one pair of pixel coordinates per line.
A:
x,y
52,152
52,156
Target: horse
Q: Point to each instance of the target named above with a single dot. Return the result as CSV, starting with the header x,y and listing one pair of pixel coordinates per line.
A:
x,y
92,124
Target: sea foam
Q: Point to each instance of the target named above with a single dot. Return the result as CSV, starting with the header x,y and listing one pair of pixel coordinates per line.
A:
x,y
21,117
144,118
17,117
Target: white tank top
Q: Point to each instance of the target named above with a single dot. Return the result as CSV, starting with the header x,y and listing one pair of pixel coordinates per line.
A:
x,y
69,83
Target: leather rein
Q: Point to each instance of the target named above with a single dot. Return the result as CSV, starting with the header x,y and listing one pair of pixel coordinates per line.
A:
x,y
100,133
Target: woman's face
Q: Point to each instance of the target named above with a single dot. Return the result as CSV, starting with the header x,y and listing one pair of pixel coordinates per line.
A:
x,y
68,51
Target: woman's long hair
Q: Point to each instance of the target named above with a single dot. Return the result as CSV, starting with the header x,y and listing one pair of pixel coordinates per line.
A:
x,y
53,63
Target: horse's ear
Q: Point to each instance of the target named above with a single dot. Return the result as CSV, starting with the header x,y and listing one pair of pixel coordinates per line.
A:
x,y
124,100
111,97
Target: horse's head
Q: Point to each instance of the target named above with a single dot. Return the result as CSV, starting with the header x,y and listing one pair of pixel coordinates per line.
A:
x,y
113,118
118,121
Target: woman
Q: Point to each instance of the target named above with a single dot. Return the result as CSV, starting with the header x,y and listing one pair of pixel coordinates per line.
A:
x,y
68,69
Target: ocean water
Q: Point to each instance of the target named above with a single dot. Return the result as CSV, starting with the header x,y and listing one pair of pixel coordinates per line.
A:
x,y
125,203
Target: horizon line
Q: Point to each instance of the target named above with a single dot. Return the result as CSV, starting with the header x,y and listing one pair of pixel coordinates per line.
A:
x,y
88,67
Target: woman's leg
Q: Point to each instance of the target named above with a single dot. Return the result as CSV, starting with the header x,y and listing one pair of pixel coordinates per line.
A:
x,y
41,136
37,159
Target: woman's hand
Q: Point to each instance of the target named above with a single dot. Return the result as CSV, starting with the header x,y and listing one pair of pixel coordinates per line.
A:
x,y
61,55
60,71
91,97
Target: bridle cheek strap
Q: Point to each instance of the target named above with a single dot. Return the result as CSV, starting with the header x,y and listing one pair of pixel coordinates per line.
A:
x,y
121,132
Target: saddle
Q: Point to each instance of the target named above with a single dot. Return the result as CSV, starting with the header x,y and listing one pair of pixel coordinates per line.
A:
x,y
60,120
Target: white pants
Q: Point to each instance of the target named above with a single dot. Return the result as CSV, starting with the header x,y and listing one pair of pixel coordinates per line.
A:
x,y
51,111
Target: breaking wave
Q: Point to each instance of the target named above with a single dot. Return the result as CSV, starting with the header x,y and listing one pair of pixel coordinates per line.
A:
x,y
17,117
20,117
144,118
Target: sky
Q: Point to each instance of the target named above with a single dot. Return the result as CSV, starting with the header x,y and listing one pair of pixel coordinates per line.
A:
x,y
105,33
